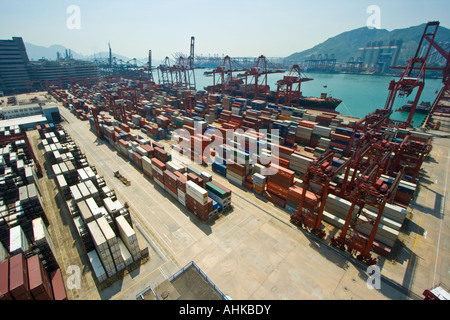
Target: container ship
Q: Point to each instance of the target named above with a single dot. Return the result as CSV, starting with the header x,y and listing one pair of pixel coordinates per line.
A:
x,y
235,87
423,107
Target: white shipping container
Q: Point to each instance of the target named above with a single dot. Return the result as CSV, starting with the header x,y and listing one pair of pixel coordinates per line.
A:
x,y
84,190
62,183
125,253
154,168
3,253
181,197
85,212
18,241
93,207
89,172
92,188
102,247
128,235
82,174
56,169
142,151
41,234
76,194
197,192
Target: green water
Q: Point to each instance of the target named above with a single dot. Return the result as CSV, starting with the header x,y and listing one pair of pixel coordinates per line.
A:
x,y
360,94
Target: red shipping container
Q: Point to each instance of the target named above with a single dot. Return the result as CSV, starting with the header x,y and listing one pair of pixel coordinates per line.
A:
x,y
149,149
157,163
171,188
59,290
277,190
157,145
338,145
38,279
190,129
148,174
4,281
340,137
274,199
282,162
18,278
124,127
285,150
192,177
236,168
283,171
295,194
161,154
307,124
281,181
247,185
137,158
157,175
170,179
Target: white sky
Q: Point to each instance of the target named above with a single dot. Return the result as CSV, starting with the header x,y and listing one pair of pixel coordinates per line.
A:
x,y
234,27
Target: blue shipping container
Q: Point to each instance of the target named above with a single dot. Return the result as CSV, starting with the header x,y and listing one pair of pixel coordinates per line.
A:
x,y
219,168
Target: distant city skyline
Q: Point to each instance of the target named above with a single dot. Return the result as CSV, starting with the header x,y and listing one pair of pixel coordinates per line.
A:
x,y
235,28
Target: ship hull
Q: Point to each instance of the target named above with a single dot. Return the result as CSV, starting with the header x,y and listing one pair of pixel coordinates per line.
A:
x,y
320,104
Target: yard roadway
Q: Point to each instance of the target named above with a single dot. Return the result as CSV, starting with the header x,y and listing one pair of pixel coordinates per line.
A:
x,y
253,252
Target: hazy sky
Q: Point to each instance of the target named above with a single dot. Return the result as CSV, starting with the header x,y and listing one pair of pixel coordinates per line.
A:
x,y
234,27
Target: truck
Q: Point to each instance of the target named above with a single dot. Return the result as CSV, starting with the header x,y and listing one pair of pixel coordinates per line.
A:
x,y
122,178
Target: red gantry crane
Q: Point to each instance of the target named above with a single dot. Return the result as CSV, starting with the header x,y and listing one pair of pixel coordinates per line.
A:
x,y
255,84
441,106
224,82
288,88
317,178
369,190
414,75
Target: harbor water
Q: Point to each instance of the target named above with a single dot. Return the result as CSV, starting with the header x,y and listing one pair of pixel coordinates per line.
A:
x,y
360,94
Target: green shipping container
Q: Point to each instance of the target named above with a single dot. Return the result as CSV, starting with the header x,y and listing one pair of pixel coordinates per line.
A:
x,y
240,154
216,190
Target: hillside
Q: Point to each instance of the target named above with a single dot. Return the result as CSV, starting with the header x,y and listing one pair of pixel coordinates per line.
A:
x,y
35,52
346,44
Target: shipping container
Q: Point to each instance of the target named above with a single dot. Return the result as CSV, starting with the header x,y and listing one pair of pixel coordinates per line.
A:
x,y
18,278
197,192
39,282
4,281
97,266
59,290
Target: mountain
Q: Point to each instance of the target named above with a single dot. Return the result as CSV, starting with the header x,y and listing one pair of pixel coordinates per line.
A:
x,y
346,44
35,52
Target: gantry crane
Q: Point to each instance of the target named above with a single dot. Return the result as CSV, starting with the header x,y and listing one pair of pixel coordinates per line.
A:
x,y
409,155
165,78
414,75
255,84
369,190
181,74
441,106
225,81
320,173
288,88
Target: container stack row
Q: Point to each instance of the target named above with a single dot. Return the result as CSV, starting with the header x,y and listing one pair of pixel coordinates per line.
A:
x,y
96,212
